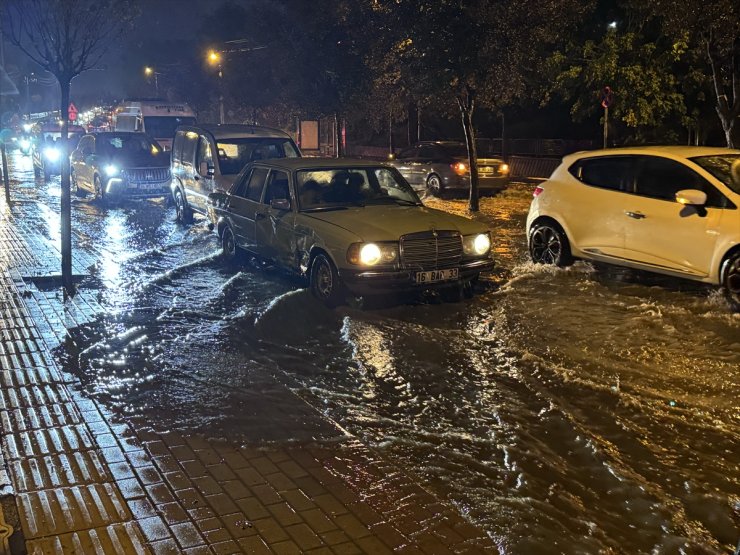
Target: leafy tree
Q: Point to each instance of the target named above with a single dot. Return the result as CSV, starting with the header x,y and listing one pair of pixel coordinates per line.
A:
x,y
713,26
66,37
635,61
455,55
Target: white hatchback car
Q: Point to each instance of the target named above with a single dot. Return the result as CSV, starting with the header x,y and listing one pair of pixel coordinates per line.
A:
x,y
673,210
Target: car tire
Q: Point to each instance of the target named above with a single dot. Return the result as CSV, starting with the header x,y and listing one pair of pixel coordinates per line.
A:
x,y
325,283
731,280
229,248
75,186
183,213
434,185
549,245
98,188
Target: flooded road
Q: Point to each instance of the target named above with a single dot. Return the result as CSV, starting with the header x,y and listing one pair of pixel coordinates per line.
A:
x,y
585,410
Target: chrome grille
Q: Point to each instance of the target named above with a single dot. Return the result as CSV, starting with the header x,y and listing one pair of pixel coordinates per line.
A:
x,y
146,175
431,250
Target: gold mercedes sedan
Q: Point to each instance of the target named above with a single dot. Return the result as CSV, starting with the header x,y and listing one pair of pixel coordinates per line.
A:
x,y
352,227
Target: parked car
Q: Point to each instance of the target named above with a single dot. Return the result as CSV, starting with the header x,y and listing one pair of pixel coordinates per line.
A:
x,y
350,226
439,167
671,210
112,166
207,158
45,148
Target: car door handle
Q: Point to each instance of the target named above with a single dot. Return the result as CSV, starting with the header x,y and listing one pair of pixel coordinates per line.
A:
x,y
636,215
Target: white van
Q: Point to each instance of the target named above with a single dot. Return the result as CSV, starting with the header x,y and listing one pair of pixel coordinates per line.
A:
x,y
156,118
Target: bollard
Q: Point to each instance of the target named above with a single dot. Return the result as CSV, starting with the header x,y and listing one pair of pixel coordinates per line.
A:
x,y
6,178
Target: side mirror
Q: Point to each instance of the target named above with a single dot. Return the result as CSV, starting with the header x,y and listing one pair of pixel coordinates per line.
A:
x,y
391,156
691,197
280,204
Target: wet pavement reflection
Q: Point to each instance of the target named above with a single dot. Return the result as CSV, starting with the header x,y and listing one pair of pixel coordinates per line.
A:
x,y
584,410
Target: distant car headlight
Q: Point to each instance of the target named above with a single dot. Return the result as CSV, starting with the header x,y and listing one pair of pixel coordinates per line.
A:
x,y
504,168
111,170
477,245
51,154
25,144
371,254
27,127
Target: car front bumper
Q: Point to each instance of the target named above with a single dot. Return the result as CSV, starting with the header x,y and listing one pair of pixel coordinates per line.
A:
x,y
485,183
374,282
122,188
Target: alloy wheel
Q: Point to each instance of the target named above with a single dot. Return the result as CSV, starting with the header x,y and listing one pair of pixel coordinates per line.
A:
x,y
546,246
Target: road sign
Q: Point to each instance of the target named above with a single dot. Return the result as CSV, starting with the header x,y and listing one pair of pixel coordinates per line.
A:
x,y
72,112
607,97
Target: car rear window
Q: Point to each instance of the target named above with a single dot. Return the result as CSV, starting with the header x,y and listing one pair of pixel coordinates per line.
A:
x,y
608,172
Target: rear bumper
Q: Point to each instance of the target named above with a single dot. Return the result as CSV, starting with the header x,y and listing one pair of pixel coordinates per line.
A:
x,y
462,183
372,282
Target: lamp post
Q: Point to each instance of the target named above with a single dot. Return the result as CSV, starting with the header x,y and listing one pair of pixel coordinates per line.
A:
x,y
215,58
149,71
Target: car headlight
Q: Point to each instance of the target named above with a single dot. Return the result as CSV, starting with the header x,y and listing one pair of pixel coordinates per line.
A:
x,y
111,170
504,168
477,245
51,154
371,254
25,144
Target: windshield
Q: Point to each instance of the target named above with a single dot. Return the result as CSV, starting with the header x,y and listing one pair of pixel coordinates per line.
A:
x,y
134,144
163,127
234,154
333,188
725,167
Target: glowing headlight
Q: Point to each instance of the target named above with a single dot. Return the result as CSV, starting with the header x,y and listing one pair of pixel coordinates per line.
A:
x,y
111,170
51,154
25,144
27,127
370,254
504,168
476,245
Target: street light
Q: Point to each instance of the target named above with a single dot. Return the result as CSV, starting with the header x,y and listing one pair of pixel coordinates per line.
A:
x,y
149,71
215,58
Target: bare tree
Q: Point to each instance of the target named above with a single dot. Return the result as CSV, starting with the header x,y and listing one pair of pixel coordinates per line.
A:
x,y
66,38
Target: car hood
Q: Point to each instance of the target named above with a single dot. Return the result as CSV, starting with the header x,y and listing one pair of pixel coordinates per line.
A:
x,y
388,223
139,161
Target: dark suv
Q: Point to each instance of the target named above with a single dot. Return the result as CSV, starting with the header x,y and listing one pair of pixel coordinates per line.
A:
x,y
207,158
117,165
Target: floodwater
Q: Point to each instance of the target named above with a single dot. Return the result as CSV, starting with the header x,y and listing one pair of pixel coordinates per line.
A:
x,y
584,410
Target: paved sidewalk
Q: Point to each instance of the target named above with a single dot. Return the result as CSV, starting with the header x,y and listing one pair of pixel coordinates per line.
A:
x,y
86,480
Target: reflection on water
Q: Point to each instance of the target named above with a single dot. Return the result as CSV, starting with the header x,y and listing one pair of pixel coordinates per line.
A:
x,y
584,410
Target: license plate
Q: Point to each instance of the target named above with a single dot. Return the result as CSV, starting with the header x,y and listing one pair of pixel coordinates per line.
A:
x,y
437,275
486,169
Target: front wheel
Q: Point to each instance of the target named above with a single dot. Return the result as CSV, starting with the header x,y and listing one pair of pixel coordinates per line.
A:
x,y
731,281
549,245
183,212
228,244
98,188
75,185
325,283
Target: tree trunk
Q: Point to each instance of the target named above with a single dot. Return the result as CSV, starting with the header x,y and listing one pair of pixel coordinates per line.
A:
x,y
338,153
66,204
728,109
466,103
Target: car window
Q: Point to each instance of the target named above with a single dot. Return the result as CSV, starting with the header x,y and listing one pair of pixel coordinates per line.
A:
x,y
332,188
234,154
190,144
177,146
204,154
86,145
277,187
408,154
428,153
662,178
609,172
256,183
724,167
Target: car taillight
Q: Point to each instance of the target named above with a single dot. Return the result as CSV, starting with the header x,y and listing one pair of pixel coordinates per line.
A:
x,y
537,191
459,168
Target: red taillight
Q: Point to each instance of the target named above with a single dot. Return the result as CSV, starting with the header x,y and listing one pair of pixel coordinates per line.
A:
x,y
537,191
459,168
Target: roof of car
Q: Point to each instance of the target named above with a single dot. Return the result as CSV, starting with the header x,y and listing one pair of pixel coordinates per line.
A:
x,y
678,151
292,164
235,131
